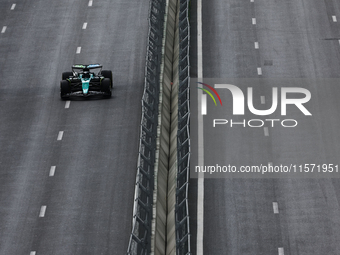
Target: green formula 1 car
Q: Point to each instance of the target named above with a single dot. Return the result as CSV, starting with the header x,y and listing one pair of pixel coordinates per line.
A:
x,y
85,80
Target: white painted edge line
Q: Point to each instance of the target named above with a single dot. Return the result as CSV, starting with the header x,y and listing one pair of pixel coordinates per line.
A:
x,y
33,252
253,21
263,100
3,29
334,18
275,207
42,211
266,131
256,44
90,3
204,104
67,104
200,180
13,7
60,135
259,71
85,25
78,50
281,251
52,170
199,40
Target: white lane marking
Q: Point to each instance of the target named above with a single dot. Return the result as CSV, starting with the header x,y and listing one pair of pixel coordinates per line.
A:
x,y
252,1
263,100
256,45
32,252
339,42
60,135
3,29
52,170
281,251
85,25
78,50
13,6
275,207
253,21
266,131
90,3
200,181
42,211
204,104
334,18
259,71
67,104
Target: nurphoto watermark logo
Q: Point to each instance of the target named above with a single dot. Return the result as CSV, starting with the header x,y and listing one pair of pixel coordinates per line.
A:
x,y
264,127
204,97
281,98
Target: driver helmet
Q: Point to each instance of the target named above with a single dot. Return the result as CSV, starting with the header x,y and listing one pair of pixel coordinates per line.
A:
x,y
86,73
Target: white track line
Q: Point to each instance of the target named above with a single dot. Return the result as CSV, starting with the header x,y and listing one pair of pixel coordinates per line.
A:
x,y
78,50
259,71
67,104
42,211
253,21
60,135
85,25
13,7
281,251
90,3
256,44
52,170
33,252
3,29
204,104
266,131
275,208
263,100
200,181
334,18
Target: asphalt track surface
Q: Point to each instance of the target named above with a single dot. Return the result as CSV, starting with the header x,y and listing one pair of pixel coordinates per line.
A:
x,y
84,204
296,39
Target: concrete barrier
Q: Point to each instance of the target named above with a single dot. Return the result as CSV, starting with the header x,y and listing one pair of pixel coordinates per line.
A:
x,y
172,176
163,240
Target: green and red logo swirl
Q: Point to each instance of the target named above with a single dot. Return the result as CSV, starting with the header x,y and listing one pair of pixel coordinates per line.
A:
x,y
209,93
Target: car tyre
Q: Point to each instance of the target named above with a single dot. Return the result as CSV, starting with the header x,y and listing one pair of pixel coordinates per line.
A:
x,y
65,89
66,75
106,87
108,74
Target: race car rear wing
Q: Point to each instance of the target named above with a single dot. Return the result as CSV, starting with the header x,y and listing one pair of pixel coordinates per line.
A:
x,y
92,66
